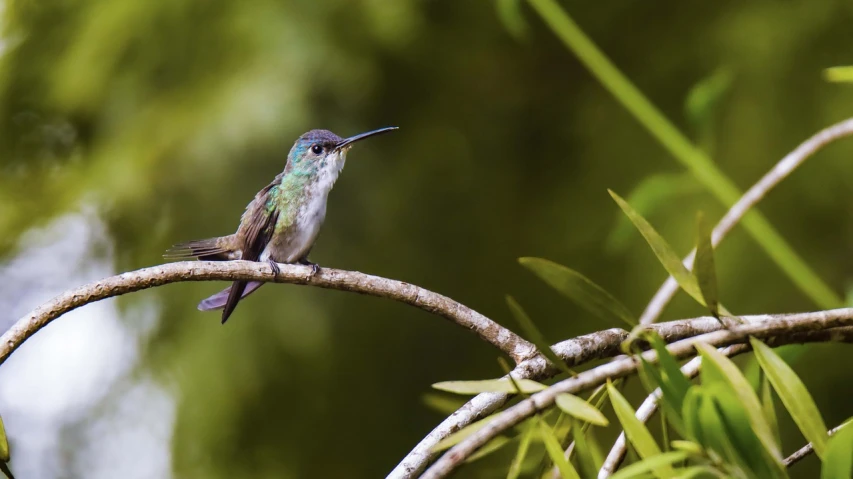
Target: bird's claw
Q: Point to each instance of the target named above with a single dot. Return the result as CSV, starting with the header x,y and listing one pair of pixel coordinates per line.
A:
x,y
315,268
275,269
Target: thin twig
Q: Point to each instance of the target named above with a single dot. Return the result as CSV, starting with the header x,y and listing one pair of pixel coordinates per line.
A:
x,y
505,340
807,449
782,326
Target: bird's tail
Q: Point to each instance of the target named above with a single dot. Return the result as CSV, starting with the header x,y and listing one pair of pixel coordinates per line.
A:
x,y
224,300
213,249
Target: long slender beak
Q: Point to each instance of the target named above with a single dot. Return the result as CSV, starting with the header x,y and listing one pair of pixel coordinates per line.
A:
x,y
349,141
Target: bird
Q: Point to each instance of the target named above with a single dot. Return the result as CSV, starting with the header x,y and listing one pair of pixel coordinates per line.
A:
x,y
282,222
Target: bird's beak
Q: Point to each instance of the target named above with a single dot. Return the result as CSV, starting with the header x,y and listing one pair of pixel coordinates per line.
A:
x,y
349,141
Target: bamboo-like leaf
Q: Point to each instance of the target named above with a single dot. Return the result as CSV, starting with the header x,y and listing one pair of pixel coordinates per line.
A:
x,y
705,96
589,459
580,409
523,447
837,460
536,337
4,443
667,257
652,193
793,394
839,74
509,13
555,452
689,447
768,407
502,385
651,464
698,472
580,289
489,448
704,268
461,434
442,403
652,379
635,430
729,374
675,380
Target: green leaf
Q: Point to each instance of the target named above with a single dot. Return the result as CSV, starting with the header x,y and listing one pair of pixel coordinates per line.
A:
x,y
673,378
586,451
636,432
555,451
651,194
724,370
652,379
699,472
4,443
461,434
523,447
533,334
667,257
580,409
793,394
705,96
502,385
489,448
688,446
442,403
509,13
580,289
837,459
839,74
651,464
768,407
703,267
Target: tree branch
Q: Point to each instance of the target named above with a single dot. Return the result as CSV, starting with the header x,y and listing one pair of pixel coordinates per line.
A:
x,y
786,327
505,340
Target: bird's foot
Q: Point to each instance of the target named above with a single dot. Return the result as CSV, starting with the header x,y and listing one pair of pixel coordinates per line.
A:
x,y
315,268
275,269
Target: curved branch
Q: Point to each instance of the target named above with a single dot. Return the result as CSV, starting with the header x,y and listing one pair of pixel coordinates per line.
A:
x,y
505,340
786,327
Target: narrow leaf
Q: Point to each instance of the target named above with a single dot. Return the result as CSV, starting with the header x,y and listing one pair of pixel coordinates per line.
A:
x,y
667,257
502,385
647,198
580,289
635,430
586,449
555,452
536,337
768,407
580,409
703,267
442,403
461,434
523,447
4,443
651,464
509,13
489,448
740,388
837,460
793,394
696,472
670,369
688,446
839,74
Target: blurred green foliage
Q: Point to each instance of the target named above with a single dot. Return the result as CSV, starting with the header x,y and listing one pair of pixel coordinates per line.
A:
x,y
168,115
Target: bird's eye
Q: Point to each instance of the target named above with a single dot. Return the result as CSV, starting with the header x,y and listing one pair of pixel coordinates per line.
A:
x,y
317,149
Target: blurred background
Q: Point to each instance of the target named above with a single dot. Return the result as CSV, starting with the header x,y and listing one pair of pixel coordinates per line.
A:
x,y
128,126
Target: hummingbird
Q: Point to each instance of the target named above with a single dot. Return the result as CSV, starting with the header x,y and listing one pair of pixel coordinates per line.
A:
x,y
282,222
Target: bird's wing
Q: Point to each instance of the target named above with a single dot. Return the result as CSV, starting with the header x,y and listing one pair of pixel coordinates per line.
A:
x,y
258,224
211,248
